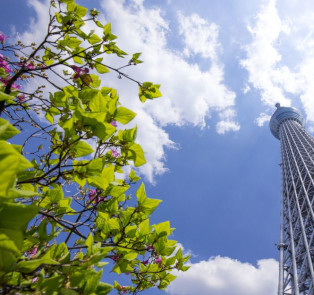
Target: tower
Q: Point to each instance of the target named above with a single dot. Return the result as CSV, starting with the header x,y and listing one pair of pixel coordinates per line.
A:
x,y
296,275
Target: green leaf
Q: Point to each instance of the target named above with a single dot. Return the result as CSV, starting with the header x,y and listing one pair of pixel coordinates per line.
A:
x,y
140,194
71,6
108,174
78,60
55,194
81,11
130,256
11,162
149,205
49,117
30,265
16,193
124,115
129,135
163,229
92,282
103,288
107,29
98,181
100,68
9,149
133,177
52,111
97,102
5,97
137,155
16,216
82,149
7,244
149,91
7,130
135,59
144,227
97,122
10,247
89,243
94,39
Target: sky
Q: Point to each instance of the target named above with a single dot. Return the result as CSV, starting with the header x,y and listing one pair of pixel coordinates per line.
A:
x,y
211,158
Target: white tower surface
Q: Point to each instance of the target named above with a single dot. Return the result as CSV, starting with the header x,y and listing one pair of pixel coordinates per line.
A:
x,y
296,275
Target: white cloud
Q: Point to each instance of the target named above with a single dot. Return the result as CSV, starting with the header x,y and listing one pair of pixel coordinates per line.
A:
x,y
263,57
190,95
227,122
226,276
199,36
262,119
280,58
246,89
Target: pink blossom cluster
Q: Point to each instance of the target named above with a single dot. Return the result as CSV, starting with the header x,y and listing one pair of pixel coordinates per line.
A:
x,y
29,66
114,123
4,64
3,38
124,289
32,252
79,71
149,247
6,81
158,261
21,97
94,198
114,153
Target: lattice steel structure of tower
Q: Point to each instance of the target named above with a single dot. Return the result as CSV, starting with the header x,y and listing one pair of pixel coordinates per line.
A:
x,y
296,275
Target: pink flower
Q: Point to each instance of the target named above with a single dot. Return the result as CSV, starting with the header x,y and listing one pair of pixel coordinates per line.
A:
x,y
92,194
79,72
149,247
158,261
124,289
32,252
35,279
21,97
114,123
94,198
2,37
145,262
4,64
15,86
76,69
6,82
30,66
114,153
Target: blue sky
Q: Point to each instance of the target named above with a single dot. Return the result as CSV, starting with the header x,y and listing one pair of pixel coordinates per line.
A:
x,y
211,157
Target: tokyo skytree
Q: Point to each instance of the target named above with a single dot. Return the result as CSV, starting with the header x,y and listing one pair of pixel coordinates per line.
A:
x,y
296,275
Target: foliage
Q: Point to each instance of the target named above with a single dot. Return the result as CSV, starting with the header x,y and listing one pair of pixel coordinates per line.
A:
x,y
65,216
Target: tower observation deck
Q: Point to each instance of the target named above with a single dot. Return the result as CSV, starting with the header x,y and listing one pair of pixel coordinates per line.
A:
x,y
296,274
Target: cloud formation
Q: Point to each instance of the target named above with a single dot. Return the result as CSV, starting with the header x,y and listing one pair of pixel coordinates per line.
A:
x,y
262,62
280,57
226,276
190,95
227,122
262,119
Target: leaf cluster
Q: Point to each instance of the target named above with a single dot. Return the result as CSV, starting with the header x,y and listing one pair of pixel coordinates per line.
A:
x,y
65,213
